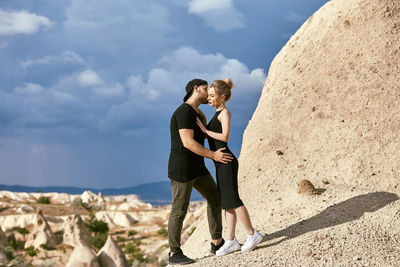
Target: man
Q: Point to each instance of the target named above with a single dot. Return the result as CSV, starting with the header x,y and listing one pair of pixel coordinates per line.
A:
x,y
186,169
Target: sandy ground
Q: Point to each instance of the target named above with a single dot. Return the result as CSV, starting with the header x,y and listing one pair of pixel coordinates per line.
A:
x,y
362,230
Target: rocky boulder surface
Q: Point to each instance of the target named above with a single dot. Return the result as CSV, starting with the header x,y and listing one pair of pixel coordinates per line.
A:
x,y
10,221
116,218
75,231
328,113
111,255
82,256
41,233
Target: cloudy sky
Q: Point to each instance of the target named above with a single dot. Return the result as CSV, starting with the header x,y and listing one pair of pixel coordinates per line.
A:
x,y
87,87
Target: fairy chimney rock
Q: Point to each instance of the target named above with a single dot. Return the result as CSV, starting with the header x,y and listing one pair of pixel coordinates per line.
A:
x,y
82,256
75,231
111,255
100,198
41,233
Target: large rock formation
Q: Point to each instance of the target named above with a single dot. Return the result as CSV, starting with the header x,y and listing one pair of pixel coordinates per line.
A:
x,y
59,198
8,222
123,219
328,113
111,255
88,197
330,102
100,204
116,218
82,256
75,231
41,233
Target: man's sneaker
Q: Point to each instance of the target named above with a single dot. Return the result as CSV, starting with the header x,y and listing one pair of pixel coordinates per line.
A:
x,y
229,247
252,241
214,248
179,258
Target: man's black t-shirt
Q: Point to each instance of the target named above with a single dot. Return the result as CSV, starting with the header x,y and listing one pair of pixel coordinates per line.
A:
x,y
183,164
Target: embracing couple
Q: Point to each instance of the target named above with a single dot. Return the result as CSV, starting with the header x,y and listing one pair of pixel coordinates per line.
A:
x,y
186,170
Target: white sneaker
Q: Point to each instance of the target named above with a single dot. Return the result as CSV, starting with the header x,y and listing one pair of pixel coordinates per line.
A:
x,y
229,247
252,241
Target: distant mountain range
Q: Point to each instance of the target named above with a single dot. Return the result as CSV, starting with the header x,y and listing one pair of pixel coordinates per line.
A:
x,y
157,193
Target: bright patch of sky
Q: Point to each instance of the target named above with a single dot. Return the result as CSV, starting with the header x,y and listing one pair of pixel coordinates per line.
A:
x,y
220,15
21,22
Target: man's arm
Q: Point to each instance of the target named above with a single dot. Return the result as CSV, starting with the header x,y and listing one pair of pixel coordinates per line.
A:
x,y
191,144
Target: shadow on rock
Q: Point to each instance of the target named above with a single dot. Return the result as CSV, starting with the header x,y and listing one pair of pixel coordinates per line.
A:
x,y
348,210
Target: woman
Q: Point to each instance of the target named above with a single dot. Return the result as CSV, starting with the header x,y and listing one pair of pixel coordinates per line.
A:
x,y
217,132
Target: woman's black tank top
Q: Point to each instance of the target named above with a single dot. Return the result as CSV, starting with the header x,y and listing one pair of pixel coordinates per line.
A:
x,y
215,126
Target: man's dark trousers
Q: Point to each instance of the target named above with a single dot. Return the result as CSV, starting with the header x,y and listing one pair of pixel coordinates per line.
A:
x,y
181,192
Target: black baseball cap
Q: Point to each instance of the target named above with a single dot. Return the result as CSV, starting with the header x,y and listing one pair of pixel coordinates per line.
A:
x,y
190,86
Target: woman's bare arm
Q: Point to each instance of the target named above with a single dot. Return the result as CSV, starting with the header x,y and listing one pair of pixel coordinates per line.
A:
x,y
225,119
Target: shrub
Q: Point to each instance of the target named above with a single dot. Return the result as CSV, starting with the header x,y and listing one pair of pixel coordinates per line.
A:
x,y
97,241
163,232
43,200
31,251
3,209
13,243
22,231
99,229
9,252
132,232
46,247
134,253
96,226
137,242
121,239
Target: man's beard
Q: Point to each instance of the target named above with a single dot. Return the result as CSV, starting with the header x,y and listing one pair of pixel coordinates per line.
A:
x,y
204,100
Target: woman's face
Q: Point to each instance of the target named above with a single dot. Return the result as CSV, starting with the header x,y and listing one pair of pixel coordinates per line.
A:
x,y
213,99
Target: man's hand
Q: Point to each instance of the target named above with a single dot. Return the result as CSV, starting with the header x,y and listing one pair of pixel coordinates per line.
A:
x,y
222,157
191,144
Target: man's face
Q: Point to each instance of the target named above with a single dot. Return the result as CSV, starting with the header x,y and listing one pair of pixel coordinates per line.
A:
x,y
203,95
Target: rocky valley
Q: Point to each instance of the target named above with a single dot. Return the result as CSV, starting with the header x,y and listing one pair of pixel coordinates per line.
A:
x,y
57,229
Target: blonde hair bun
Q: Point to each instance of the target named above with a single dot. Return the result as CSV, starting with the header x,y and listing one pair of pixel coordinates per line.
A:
x,y
229,83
